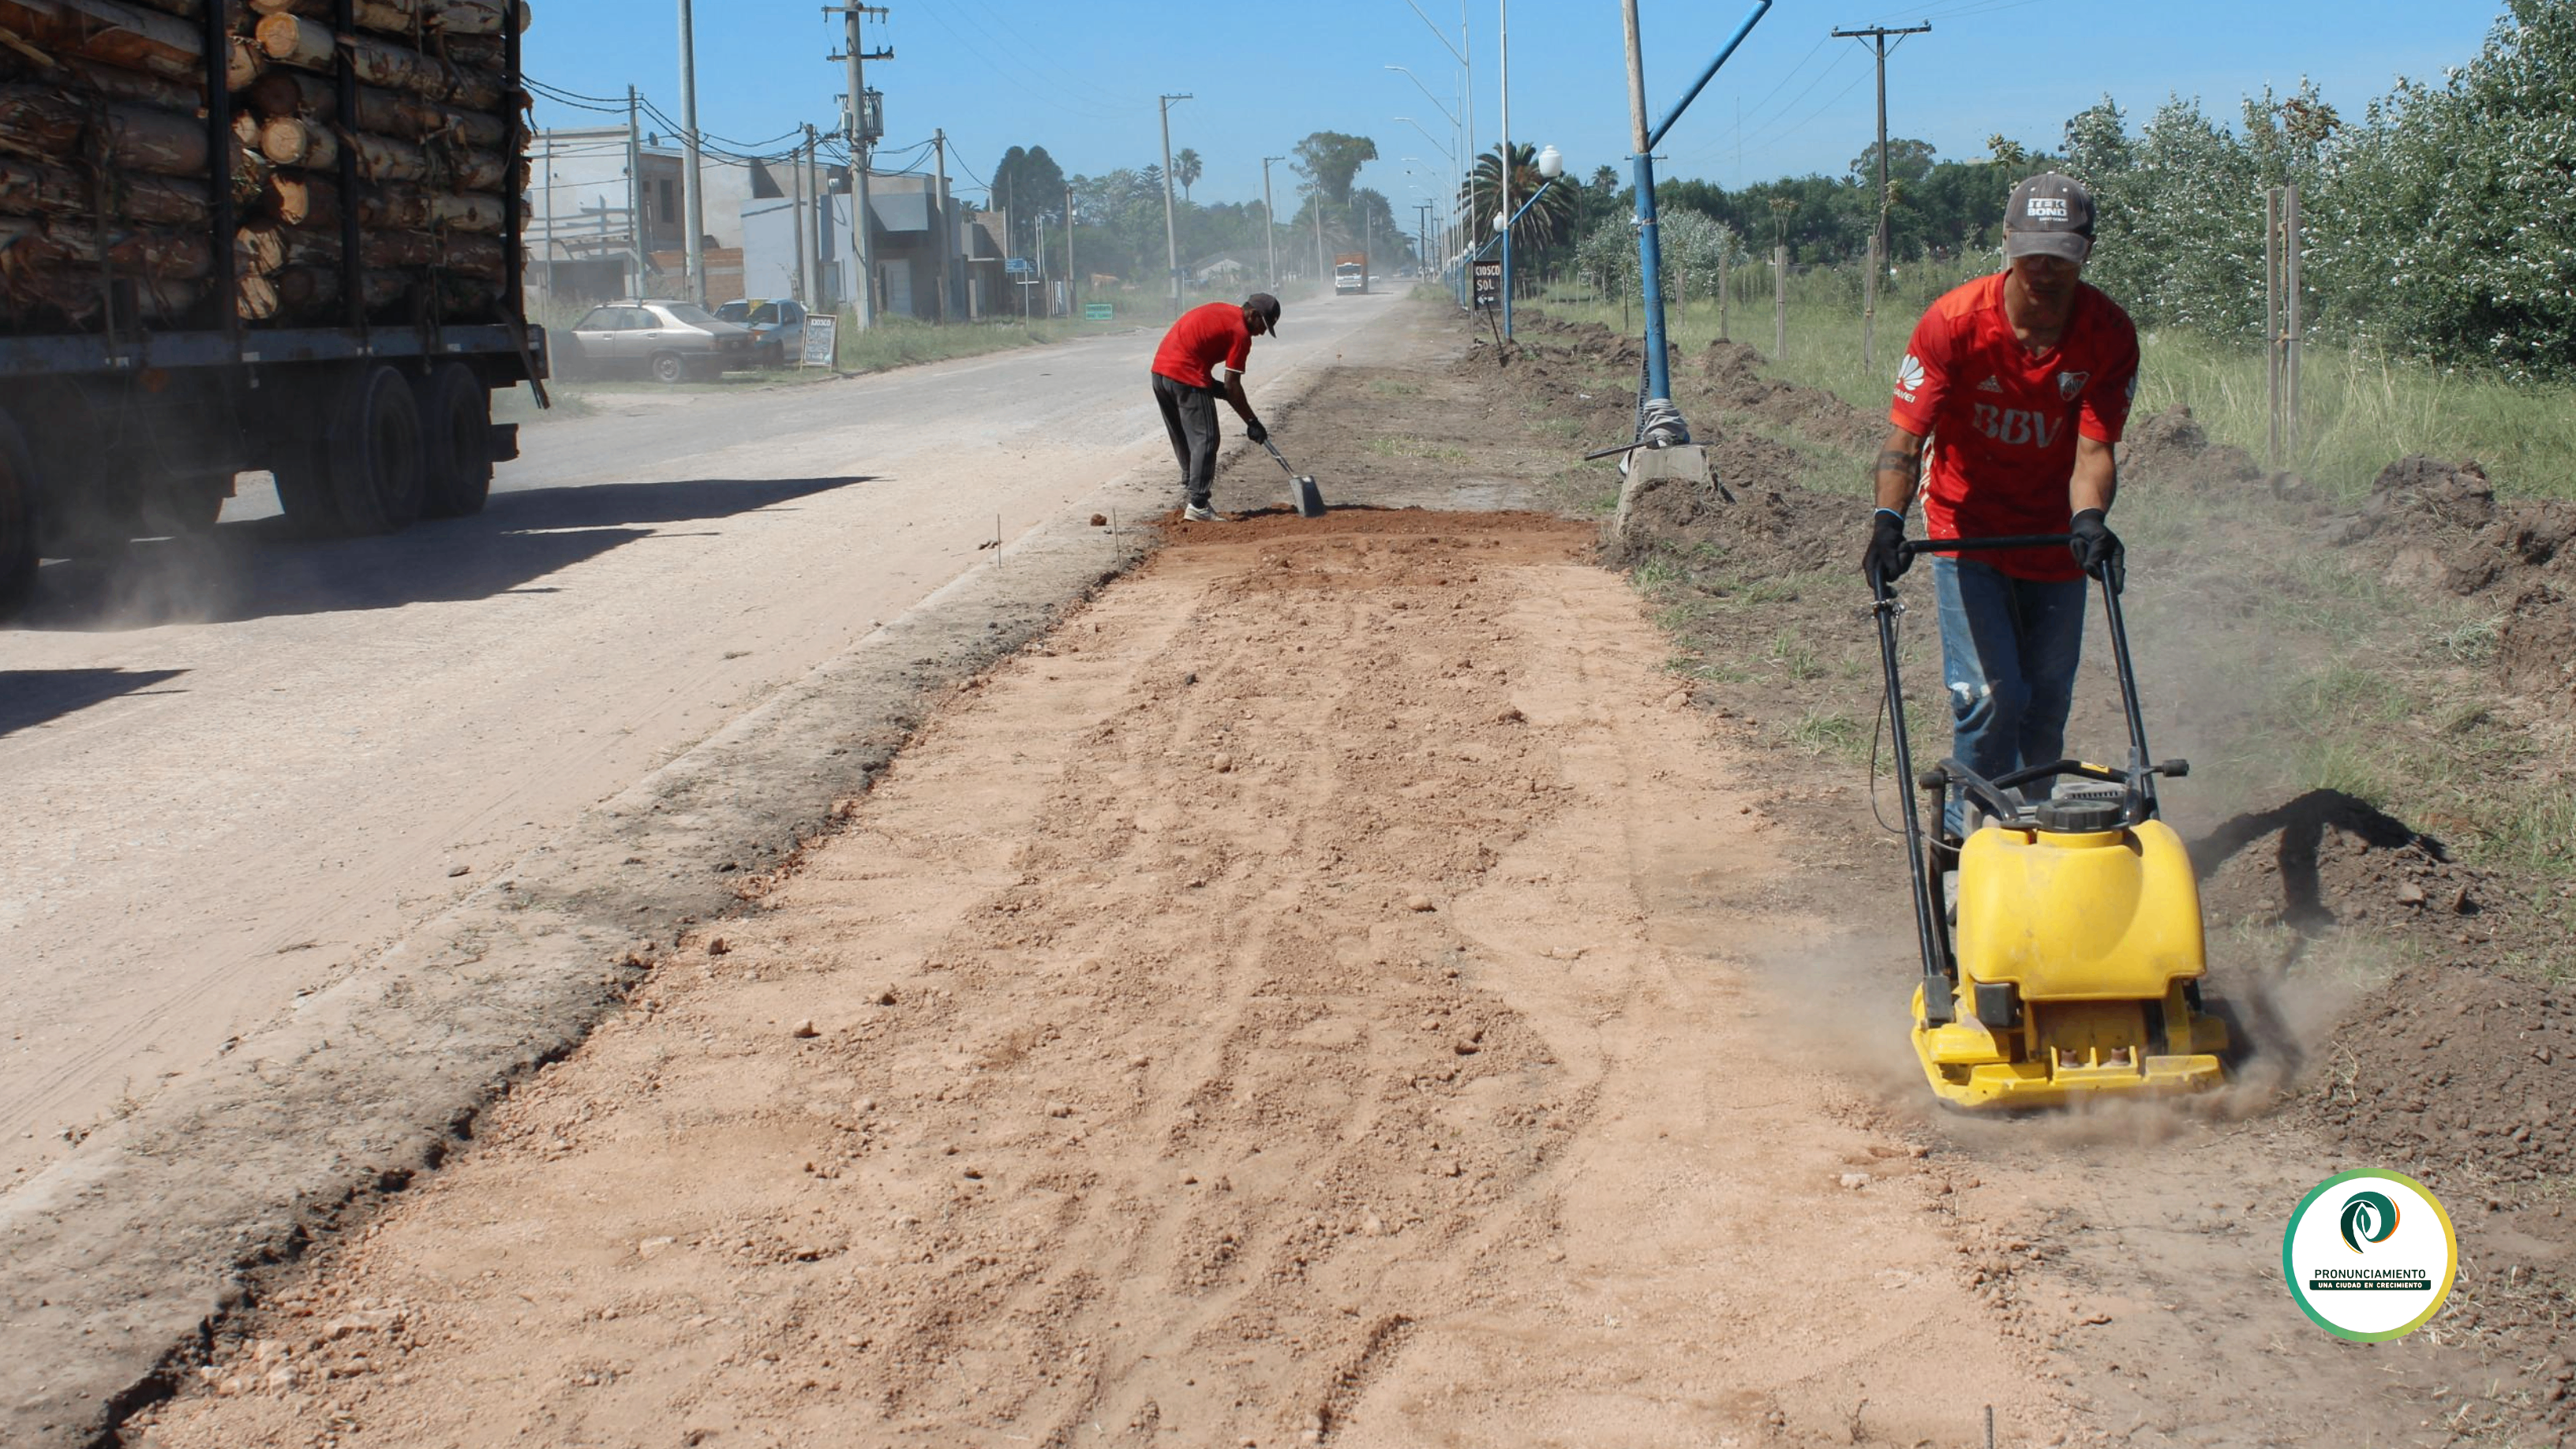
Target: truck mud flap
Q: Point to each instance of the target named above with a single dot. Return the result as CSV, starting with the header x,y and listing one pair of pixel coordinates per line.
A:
x,y
505,442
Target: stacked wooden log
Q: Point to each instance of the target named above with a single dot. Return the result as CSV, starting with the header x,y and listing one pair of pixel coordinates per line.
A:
x,y
107,160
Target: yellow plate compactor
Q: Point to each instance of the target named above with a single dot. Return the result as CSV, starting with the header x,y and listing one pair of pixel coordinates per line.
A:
x,y
2072,965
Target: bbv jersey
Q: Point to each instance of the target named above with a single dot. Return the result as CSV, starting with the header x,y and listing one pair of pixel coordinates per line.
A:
x,y
2003,420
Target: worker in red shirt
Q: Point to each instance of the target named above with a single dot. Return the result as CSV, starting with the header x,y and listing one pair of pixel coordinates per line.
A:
x,y
1201,360
2021,381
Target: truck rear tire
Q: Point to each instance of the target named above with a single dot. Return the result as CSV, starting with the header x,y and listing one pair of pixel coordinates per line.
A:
x,y
304,495
18,520
456,441
374,453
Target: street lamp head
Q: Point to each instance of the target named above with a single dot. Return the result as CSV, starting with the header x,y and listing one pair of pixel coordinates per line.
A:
x,y
1551,164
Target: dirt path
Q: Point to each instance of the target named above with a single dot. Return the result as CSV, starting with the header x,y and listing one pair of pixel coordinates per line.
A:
x,y
1278,1010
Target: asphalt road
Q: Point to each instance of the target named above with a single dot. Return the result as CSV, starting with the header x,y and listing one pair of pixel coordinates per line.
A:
x,y
240,765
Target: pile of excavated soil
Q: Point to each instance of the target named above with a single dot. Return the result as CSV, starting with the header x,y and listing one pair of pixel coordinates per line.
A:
x,y
2441,527
1736,382
2170,448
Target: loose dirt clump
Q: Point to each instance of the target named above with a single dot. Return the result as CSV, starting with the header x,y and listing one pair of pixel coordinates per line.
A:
x,y
1766,532
2170,448
1734,374
2440,527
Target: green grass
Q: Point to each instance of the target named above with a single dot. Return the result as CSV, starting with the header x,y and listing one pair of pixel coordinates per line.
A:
x,y
2359,411
1402,446
1831,733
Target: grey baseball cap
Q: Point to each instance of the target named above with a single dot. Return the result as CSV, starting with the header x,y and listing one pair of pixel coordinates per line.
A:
x,y
2049,215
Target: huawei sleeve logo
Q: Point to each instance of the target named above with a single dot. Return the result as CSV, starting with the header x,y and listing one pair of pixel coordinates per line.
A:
x,y
1909,377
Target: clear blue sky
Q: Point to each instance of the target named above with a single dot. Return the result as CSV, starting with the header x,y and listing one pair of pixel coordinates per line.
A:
x,y
1082,80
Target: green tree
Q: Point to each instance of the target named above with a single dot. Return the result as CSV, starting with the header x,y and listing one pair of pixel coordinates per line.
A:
x,y
1329,159
1547,224
1027,183
1908,161
1186,170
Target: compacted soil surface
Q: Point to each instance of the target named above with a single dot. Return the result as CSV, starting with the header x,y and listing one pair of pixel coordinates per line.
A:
x,y
1382,980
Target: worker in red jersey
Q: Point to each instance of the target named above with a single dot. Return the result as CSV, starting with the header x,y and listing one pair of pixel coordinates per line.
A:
x,y
2021,381
1201,360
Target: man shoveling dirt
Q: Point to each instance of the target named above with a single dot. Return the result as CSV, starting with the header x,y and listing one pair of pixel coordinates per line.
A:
x,y
1202,359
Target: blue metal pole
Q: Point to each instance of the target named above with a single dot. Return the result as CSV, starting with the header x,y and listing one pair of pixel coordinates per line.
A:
x,y
1656,137
1650,259
1650,248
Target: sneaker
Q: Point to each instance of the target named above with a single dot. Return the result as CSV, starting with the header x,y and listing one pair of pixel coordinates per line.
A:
x,y
1197,513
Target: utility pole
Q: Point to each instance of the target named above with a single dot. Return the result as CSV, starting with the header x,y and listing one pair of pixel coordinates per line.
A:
x,y
947,227
796,191
695,204
1171,236
1270,220
1322,272
1877,36
546,168
635,196
863,129
1072,278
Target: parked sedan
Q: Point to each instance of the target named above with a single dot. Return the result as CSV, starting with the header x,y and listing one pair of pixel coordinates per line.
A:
x,y
777,327
666,341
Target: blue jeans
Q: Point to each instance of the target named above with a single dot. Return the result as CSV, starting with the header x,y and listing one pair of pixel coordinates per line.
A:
x,y
2008,653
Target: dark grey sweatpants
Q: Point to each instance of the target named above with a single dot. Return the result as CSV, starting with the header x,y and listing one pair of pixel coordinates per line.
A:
x,y
1189,415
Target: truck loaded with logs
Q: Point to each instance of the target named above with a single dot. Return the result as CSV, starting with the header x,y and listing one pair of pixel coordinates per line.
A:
x,y
247,235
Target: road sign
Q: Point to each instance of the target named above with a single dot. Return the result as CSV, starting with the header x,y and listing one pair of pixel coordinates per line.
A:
x,y
1489,283
1016,265
822,342
1098,311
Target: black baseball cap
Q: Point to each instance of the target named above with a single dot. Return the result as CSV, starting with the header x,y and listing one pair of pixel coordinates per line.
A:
x,y
1267,306
2049,215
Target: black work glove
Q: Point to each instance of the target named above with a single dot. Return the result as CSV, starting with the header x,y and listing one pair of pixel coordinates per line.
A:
x,y
2095,546
1887,558
1253,429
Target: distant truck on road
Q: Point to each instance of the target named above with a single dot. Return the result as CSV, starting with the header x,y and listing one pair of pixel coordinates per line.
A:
x,y
237,237
1350,272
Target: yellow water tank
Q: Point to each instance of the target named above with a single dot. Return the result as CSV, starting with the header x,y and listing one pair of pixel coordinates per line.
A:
x,y
2079,915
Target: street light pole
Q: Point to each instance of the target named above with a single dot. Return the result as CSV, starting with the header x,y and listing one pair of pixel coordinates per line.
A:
x,y
1171,234
693,207
1503,39
1270,220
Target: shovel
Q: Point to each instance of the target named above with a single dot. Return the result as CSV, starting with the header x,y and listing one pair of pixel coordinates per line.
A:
x,y
1301,486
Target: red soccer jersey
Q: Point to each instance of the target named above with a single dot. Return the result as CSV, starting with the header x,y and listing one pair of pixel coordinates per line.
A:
x,y
2003,420
1202,338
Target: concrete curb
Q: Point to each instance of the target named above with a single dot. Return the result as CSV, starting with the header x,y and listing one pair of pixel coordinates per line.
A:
x,y
124,1257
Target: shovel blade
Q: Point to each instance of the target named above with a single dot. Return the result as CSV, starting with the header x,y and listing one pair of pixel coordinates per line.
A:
x,y
1310,499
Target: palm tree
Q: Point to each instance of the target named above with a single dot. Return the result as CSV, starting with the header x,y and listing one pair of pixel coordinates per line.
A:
x,y
1185,170
1544,225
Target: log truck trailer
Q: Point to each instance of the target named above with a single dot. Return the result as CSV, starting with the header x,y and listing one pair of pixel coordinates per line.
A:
x,y
247,235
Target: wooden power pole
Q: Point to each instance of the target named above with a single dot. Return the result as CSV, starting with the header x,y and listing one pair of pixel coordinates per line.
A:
x,y
1877,36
